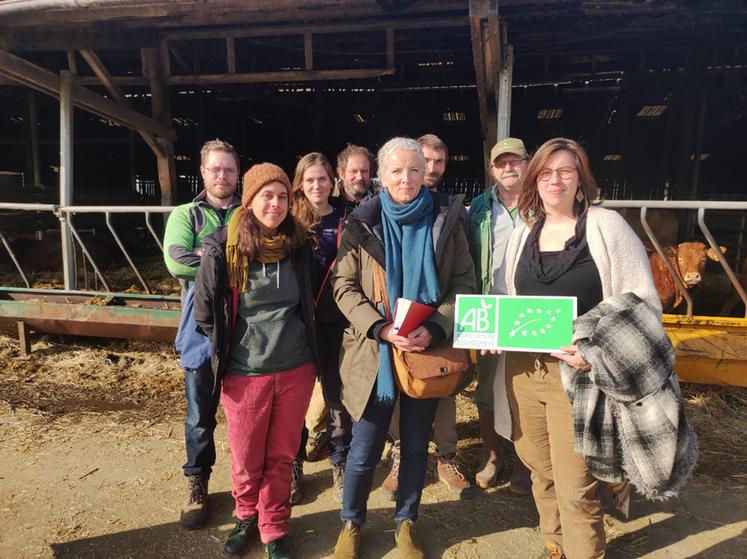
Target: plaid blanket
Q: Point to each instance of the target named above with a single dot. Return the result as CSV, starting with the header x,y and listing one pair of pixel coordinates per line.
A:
x,y
628,415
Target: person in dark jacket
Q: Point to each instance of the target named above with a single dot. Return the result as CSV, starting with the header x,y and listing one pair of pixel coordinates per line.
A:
x,y
323,216
253,300
408,241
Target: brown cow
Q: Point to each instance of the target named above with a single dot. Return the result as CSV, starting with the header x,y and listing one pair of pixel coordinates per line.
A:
x,y
688,260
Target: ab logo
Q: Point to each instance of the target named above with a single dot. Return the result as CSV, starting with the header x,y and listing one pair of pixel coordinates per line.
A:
x,y
477,319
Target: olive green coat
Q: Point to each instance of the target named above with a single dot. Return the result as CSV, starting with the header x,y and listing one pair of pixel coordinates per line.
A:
x,y
361,244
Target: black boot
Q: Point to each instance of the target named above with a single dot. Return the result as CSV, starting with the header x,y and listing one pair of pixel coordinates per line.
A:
x,y
238,539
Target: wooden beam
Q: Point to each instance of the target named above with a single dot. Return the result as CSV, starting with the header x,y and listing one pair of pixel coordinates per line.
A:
x,y
105,77
71,65
24,338
478,60
21,71
230,55
284,30
308,50
153,69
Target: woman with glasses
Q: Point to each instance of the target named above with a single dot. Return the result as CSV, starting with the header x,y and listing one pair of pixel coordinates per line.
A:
x,y
323,215
565,247
253,300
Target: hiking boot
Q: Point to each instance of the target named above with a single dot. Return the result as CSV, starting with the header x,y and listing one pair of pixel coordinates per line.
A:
x,y
487,475
194,513
552,551
317,447
296,482
404,537
277,549
338,479
448,472
238,539
521,480
390,485
348,541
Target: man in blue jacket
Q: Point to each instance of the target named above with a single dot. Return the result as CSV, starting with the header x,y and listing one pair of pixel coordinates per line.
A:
x,y
187,227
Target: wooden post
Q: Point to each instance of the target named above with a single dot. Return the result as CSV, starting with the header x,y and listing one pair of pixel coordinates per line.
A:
x,y
66,175
504,94
153,70
230,55
308,51
24,338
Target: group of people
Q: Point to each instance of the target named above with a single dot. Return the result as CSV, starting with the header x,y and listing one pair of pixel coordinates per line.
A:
x,y
281,291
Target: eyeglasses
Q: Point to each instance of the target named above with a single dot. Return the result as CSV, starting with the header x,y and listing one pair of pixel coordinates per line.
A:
x,y
564,173
510,162
215,171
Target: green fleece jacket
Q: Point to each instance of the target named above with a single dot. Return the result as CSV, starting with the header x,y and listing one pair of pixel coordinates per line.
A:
x,y
186,229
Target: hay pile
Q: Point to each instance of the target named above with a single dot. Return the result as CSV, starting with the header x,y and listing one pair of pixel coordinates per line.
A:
x,y
69,375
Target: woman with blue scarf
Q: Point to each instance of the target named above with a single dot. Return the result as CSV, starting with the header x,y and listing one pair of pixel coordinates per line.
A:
x,y
413,238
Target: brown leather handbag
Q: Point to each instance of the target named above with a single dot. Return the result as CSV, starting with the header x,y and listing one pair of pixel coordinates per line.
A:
x,y
438,371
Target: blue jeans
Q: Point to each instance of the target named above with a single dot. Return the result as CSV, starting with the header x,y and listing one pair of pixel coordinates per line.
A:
x,y
200,423
369,436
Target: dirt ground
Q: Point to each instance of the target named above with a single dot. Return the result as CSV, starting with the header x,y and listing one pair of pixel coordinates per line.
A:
x,y
91,446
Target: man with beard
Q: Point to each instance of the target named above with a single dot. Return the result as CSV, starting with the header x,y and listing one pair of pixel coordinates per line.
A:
x,y
354,172
444,425
436,155
492,216
187,227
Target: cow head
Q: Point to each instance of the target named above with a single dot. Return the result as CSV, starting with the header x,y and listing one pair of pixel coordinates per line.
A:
x,y
691,260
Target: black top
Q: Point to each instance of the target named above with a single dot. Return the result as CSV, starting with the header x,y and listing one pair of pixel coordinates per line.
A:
x,y
580,280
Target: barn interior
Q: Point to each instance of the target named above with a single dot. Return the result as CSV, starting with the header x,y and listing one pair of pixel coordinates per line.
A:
x,y
655,89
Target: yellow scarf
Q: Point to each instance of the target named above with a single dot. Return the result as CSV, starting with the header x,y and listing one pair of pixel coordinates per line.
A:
x,y
237,264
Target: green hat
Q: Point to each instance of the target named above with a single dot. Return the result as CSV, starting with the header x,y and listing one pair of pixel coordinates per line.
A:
x,y
508,145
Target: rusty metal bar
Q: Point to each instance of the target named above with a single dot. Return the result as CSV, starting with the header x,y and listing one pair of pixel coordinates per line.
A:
x,y
153,231
14,259
88,254
721,258
675,275
126,254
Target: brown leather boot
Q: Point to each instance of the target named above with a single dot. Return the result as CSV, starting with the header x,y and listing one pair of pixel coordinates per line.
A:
x,y
492,460
348,541
448,473
407,545
390,485
194,513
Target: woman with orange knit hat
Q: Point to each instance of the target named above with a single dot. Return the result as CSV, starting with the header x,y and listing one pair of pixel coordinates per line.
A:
x,y
253,299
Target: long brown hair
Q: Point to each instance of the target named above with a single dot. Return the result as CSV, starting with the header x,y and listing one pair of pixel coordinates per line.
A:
x,y
252,238
302,209
530,204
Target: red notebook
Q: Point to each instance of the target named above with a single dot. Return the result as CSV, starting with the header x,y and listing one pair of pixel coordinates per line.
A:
x,y
408,315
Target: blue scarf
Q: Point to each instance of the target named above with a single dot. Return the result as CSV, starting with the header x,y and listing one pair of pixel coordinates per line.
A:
x,y
410,268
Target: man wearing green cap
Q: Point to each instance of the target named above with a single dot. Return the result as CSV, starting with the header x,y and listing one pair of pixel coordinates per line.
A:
x,y
491,221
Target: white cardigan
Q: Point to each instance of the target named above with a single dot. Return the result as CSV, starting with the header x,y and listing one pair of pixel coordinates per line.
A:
x,y
623,267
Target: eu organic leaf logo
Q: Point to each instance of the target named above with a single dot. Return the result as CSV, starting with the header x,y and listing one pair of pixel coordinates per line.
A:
x,y
541,322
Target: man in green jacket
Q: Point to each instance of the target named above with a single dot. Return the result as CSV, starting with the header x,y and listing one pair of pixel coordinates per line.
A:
x,y
491,220
187,227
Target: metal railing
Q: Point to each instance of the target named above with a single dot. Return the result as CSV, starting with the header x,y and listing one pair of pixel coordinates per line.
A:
x,y
66,213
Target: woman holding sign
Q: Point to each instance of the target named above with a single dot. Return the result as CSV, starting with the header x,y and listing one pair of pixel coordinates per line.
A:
x,y
405,242
565,247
